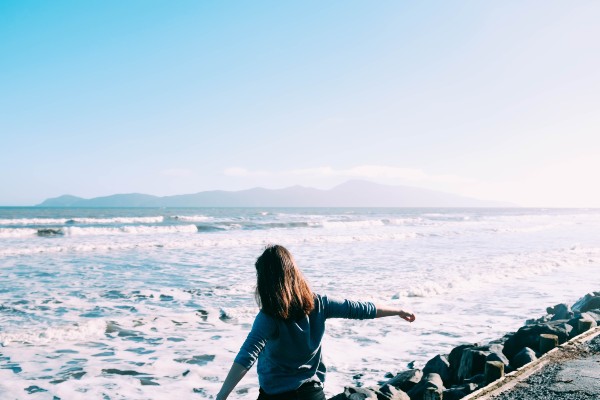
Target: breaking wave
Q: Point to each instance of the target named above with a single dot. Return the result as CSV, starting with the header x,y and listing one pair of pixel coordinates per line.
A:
x,y
78,220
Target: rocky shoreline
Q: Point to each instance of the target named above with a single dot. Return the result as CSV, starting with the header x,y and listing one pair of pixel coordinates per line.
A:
x,y
569,374
470,367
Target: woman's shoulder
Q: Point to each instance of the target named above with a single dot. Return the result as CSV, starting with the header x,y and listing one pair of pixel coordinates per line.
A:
x,y
322,299
264,317
321,302
265,323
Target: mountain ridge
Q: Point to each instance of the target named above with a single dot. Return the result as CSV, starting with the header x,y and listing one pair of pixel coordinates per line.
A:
x,y
354,193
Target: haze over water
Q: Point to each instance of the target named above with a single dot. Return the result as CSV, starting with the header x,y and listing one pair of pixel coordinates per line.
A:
x,y
155,303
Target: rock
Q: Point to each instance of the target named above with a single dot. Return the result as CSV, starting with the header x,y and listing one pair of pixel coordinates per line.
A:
x,y
459,391
563,326
453,394
525,356
49,232
540,320
406,380
494,370
494,347
500,342
432,393
592,314
354,393
428,381
574,322
547,342
478,380
567,315
203,314
388,392
454,359
584,324
590,301
528,336
439,365
560,311
472,363
498,356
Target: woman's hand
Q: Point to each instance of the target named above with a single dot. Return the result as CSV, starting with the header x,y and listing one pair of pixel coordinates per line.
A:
x,y
410,317
236,373
385,311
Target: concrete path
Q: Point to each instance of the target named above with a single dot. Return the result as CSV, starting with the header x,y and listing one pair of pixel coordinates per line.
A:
x,y
570,372
569,380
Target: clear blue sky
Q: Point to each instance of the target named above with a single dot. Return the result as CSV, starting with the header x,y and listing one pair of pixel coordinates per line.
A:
x,y
494,100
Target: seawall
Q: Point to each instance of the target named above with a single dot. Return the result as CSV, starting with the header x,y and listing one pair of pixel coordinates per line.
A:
x,y
482,371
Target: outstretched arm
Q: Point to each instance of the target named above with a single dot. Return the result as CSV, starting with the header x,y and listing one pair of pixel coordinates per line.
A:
x,y
236,373
384,311
256,341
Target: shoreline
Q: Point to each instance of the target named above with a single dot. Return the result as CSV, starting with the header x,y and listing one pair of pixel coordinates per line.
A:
x,y
538,378
476,371
183,301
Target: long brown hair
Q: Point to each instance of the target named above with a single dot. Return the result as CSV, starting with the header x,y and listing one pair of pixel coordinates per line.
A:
x,y
281,290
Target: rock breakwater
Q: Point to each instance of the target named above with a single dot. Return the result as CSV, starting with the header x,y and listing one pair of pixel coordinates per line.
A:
x,y
472,366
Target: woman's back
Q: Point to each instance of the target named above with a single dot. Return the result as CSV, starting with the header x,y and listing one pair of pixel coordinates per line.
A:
x,y
287,332
289,351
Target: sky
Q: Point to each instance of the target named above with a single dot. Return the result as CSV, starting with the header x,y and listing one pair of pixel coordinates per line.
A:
x,y
492,100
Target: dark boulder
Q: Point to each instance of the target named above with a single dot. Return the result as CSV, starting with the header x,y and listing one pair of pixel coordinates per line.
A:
x,y
388,392
478,380
356,393
528,336
494,370
539,320
406,380
496,353
454,359
459,391
500,342
428,381
560,311
591,314
498,356
523,357
49,232
472,362
585,324
590,301
547,342
439,365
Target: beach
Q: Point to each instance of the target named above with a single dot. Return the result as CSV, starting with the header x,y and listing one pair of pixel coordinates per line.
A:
x,y
148,303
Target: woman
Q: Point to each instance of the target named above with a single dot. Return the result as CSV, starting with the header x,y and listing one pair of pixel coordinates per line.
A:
x,y
287,332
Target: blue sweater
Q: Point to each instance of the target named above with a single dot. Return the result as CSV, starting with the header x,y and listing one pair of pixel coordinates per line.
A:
x,y
289,352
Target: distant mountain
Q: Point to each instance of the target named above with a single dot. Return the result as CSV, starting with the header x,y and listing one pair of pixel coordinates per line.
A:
x,y
63,201
350,194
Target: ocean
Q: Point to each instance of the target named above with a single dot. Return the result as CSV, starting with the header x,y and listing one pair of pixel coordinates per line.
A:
x,y
140,303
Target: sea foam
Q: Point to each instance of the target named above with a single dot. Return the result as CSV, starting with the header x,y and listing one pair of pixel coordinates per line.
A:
x,y
158,309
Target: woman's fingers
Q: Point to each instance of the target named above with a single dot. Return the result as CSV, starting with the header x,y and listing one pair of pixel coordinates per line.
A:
x,y
410,317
